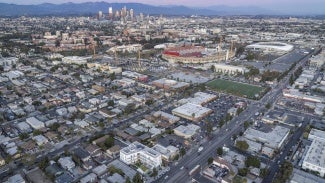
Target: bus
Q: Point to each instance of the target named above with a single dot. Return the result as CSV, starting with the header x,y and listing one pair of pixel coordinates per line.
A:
x,y
194,170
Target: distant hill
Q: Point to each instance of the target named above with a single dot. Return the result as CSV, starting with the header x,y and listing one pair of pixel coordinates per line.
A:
x,y
243,10
93,7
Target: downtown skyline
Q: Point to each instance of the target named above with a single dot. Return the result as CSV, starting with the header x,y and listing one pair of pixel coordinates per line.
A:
x,y
278,6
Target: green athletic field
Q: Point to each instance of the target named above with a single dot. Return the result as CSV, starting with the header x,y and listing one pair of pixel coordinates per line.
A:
x,y
236,88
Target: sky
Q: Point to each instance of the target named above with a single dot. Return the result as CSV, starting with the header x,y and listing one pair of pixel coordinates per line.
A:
x,y
310,5
201,3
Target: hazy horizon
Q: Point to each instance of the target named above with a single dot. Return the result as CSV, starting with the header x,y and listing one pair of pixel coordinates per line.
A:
x,y
303,6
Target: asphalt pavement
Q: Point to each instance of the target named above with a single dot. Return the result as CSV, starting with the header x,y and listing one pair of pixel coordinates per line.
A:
x,y
192,159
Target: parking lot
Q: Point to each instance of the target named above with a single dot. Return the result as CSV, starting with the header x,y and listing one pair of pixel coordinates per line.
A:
x,y
220,107
281,64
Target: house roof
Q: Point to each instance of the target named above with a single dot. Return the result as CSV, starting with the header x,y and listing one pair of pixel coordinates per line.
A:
x,y
81,153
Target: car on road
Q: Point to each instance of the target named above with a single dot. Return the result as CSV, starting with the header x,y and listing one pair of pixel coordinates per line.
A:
x,y
166,177
182,168
200,149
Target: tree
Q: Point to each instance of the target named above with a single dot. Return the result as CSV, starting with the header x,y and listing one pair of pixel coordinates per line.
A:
x,y
127,180
210,160
37,132
246,124
8,159
221,123
193,115
252,161
55,126
137,178
284,173
129,108
209,128
23,136
291,80
220,151
182,151
242,172
268,105
36,103
240,50
242,145
228,117
250,56
57,43
43,163
238,179
112,76
154,172
112,169
264,172
239,110
111,103
149,102
109,142
213,68
101,124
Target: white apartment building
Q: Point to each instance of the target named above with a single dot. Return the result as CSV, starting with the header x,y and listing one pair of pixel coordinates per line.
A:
x,y
315,159
138,152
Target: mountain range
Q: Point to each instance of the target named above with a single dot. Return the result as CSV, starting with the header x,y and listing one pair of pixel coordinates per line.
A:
x,y
93,7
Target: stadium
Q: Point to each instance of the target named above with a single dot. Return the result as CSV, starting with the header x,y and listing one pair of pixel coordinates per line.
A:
x,y
270,47
195,55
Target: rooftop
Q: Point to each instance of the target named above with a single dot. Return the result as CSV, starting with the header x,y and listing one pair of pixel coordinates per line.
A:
x,y
189,109
136,147
273,139
315,154
314,133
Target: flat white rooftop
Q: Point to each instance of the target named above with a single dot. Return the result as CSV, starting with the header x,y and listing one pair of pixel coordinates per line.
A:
x,y
190,110
314,133
273,139
137,147
315,154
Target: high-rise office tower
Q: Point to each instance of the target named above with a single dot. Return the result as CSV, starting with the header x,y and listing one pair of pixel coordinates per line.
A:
x,y
110,12
117,13
100,14
131,14
141,17
123,13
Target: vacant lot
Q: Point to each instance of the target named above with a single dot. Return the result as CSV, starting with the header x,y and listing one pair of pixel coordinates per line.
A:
x,y
236,88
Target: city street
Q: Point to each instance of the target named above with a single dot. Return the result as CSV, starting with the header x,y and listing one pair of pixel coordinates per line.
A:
x,y
192,159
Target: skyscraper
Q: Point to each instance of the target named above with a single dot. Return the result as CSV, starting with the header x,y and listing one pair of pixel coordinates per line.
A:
x,y
141,17
123,12
117,14
110,12
132,14
100,14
